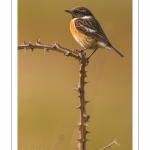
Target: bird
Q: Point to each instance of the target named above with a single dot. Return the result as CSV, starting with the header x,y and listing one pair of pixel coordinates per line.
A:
x,y
87,31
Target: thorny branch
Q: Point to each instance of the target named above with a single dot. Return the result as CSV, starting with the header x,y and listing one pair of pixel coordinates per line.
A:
x,y
108,146
80,55
46,47
83,62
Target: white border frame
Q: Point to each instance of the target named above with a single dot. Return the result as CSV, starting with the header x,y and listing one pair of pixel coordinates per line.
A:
x,y
8,59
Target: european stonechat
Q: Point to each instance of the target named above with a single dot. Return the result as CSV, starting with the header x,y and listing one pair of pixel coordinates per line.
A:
x,y
87,31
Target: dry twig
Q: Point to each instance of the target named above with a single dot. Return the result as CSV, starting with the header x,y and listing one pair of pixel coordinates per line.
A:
x,y
46,47
108,146
83,62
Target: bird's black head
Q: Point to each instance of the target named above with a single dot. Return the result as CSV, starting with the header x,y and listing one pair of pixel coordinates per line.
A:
x,y
78,12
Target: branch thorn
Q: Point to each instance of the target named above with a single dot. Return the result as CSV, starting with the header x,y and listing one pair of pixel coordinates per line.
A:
x,y
79,140
25,50
46,50
85,140
38,41
87,102
24,42
86,82
78,107
29,43
56,43
87,132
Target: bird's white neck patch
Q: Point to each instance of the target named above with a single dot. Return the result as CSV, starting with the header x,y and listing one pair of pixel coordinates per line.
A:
x,y
86,17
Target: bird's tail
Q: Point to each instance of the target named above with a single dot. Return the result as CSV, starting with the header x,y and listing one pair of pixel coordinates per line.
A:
x,y
121,55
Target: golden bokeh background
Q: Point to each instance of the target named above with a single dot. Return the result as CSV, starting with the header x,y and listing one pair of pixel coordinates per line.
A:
x,y
47,115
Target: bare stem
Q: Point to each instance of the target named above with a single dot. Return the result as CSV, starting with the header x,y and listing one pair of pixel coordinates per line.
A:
x,y
47,47
114,142
80,55
83,116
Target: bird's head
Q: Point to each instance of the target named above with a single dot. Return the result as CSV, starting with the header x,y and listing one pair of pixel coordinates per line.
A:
x,y
78,12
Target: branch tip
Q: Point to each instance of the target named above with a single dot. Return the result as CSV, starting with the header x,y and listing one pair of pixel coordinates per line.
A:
x,y
109,145
115,141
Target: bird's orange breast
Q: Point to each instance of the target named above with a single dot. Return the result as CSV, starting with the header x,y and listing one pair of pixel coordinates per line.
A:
x,y
82,39
79,37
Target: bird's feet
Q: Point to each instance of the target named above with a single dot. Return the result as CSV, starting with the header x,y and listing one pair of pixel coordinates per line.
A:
x,y
80,51
87,58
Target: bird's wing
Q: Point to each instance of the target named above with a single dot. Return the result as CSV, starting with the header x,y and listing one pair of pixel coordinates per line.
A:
x,y
92,28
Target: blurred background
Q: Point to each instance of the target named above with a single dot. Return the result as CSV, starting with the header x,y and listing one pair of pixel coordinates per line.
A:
x,y
47,114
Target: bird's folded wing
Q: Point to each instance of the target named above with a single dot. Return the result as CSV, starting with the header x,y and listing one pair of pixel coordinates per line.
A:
x,y
91,28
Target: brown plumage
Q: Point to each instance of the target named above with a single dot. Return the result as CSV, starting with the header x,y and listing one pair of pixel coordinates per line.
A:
x,y
87,31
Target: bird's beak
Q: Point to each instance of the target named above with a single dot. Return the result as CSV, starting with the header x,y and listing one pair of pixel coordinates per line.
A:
x,y
68,11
